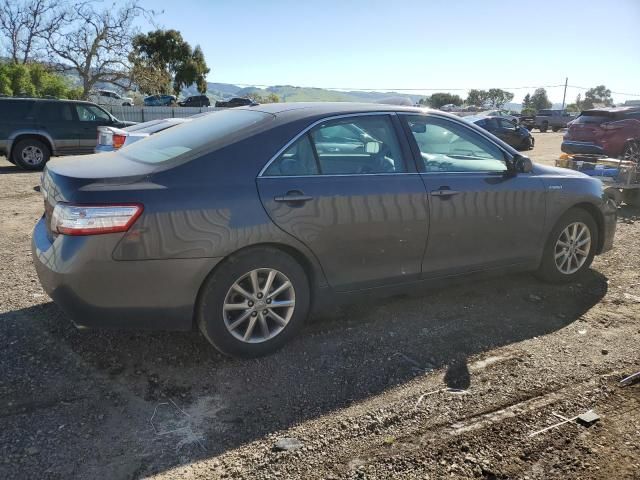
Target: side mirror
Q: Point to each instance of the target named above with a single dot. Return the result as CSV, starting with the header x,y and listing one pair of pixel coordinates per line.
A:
x,y
372,147
523,164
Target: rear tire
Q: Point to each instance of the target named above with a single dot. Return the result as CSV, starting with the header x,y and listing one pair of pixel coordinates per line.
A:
x,y
31,154
566,257
631,151
243,321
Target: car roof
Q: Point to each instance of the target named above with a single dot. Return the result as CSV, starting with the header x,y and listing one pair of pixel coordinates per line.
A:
x,y
58,100
614,109
310,109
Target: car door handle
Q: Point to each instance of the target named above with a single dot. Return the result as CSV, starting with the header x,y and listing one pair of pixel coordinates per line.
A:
x,y
293,197
444,192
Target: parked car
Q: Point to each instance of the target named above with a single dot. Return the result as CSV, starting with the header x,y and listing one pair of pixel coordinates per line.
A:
x,y
499,113
554,119
238,222
527,121
510,132
114,138
160,101
195,101
109,97
34,129
614,132
235,102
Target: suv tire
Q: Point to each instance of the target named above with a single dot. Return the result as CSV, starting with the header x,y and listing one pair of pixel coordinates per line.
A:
x,y
241,320
544,127
30,154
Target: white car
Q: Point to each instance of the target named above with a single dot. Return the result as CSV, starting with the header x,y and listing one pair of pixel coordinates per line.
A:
x,y
108,97
112,138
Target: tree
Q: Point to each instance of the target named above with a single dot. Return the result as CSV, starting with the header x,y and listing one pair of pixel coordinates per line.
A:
x,y
440,99
25,26
539,100
270,98
96,43
424,101
477,98
497,97
34,80
597,95
163,62
526,102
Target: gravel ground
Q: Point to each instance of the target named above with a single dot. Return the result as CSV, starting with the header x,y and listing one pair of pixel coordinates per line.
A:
x,y
362,393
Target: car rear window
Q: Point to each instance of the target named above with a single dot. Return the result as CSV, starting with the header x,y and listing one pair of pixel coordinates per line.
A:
x,y
545,113
15,109
218,128
596,117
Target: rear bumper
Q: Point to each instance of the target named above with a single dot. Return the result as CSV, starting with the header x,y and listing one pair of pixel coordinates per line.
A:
x,y
95,291
100,148
585,148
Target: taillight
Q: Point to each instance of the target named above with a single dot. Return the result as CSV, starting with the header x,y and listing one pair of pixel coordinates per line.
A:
x,y
69,219
117,140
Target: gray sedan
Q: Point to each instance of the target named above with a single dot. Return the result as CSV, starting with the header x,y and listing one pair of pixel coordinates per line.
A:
x,y
241,221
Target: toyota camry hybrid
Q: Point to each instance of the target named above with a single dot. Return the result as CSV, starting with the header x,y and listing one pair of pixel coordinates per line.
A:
x,y
242,221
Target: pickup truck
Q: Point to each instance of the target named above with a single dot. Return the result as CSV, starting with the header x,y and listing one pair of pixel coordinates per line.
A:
x,y
554,119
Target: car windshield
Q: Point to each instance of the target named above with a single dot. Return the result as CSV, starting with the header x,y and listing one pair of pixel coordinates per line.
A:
x,y
193,136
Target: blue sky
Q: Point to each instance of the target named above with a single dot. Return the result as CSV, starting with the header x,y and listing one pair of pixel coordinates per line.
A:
x,y
416,43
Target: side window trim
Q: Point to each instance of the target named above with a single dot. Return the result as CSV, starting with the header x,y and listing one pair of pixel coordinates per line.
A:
x,y
508,157
308,129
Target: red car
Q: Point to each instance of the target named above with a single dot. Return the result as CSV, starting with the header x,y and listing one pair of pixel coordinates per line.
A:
x,y
614,132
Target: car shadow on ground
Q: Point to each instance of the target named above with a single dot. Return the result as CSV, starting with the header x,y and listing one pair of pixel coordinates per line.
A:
x,y
347,355
7,169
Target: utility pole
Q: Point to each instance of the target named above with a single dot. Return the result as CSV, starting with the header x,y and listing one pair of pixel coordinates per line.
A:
x,y
564,97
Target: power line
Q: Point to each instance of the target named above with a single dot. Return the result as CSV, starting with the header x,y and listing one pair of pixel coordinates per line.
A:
x,y
378,89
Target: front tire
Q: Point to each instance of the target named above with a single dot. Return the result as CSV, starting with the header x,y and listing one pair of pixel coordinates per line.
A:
x,y
31,154
631,151
254,303
544,127
570,248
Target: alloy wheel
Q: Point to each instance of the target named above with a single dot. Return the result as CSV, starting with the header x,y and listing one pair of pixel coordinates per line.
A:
x,y
632,152
259,305
32,155
572,248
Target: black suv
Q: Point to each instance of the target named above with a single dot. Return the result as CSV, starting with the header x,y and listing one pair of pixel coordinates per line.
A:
x,y
235,102
195,101
33,129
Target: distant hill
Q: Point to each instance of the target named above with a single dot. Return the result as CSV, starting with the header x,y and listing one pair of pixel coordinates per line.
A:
x,y
289,93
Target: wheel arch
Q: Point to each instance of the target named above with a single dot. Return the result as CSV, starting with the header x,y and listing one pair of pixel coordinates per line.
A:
x,y
311,268
597,215
24,135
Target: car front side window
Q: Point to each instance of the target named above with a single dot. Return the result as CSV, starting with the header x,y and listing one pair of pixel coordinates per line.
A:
x,y
90,113
446,146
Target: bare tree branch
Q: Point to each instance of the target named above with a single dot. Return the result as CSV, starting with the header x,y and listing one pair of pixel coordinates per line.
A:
x,y
25,26
96,43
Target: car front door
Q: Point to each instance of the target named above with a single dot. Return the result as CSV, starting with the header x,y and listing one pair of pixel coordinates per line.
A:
x,y
348,189
482,215
89,118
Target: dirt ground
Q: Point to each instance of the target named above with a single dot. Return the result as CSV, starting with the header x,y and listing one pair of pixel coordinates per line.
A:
x,y
361,393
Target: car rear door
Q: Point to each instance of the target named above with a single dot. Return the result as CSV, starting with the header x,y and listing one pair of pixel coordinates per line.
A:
x,y
356,202
481,214
56,118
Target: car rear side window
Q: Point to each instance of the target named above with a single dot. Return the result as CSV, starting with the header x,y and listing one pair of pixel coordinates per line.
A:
x,y
219,128
55,112
446,146
15,109
357,145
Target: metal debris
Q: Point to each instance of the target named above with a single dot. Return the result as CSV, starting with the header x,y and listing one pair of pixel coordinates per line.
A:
x,y
630,380
588,418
